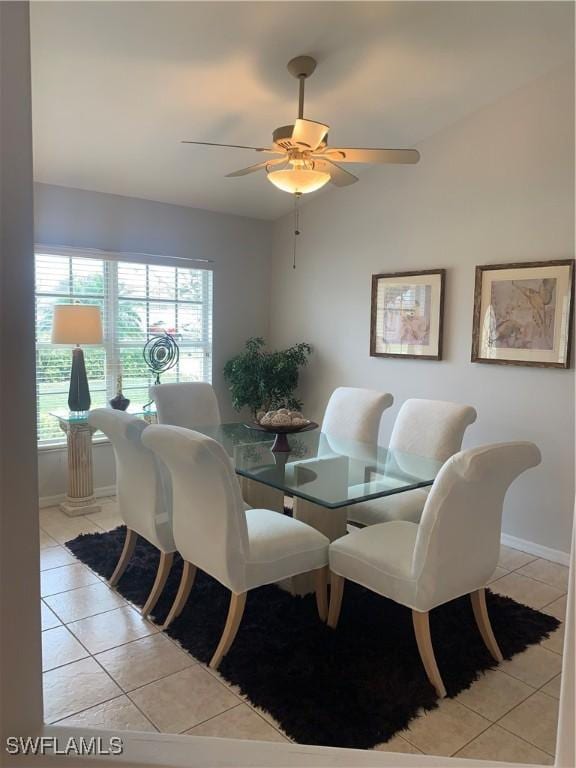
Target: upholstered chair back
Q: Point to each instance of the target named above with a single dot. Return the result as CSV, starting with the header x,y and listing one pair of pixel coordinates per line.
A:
x,y
143,485
188,404
458,538
208,516
354,414
432,428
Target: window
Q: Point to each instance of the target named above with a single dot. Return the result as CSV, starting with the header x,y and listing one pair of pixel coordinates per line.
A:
x,y
138,301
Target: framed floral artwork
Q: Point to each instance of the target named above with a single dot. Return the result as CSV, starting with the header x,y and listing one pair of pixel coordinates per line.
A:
x,y
406,317
523,314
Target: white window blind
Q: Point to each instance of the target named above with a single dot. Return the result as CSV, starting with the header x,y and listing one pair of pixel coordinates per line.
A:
x,y
138,301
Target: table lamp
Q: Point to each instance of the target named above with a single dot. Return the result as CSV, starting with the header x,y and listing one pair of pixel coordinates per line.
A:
x,y
77,324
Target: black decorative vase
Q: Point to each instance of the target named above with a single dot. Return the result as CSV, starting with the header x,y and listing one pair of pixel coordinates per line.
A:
x,y
79,393
120,403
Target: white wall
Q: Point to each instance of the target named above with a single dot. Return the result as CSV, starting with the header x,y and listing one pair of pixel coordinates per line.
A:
x,y
239,248
495,187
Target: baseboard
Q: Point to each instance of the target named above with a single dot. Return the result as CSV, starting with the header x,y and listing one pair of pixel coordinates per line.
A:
x,y
555,555
51,501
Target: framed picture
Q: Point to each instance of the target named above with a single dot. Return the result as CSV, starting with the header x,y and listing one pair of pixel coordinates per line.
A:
x,y
406,318
523,314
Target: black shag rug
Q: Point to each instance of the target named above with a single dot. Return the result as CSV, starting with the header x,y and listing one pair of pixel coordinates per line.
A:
x,y
352,687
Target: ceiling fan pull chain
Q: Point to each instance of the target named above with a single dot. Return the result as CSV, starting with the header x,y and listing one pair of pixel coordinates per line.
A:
x,y
296,226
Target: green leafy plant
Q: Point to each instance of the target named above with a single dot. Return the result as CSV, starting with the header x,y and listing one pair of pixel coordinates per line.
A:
x,y
262,380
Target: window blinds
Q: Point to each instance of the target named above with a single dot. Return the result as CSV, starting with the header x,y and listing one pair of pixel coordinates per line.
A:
x,y
137,301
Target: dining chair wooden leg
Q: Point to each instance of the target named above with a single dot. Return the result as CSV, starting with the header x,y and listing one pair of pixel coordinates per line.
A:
x,y
321,586
186,584
235,613
480,609
336,592
164,566
421,623
127,552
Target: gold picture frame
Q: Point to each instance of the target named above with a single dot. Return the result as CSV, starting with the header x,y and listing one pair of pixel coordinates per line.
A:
x,y
407,313
523,314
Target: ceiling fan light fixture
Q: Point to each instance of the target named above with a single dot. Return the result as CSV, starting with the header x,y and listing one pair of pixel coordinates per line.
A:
x,y
299,181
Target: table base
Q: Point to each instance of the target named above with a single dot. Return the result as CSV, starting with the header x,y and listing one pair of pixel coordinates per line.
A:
x,y
330,522
260,496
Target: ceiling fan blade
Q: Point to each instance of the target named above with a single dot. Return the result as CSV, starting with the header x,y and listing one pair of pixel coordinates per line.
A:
x,y
309,134
257,167
353,155
233,146
338,176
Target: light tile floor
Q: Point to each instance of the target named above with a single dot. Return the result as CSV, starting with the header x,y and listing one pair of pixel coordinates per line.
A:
x,y
107,667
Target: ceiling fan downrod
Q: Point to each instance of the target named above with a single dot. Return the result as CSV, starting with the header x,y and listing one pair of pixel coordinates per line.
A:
x,y
301,68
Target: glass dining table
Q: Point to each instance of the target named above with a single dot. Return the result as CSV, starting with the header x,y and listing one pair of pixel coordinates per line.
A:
x,y
324,474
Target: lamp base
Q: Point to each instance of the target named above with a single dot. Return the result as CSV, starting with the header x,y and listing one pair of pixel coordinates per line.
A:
x,y
79,393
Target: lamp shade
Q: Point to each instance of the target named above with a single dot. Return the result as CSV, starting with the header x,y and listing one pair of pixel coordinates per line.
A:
x,y
299,180
77,324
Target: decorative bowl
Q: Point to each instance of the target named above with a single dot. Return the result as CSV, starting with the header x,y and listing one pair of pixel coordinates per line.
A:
x,y
281,442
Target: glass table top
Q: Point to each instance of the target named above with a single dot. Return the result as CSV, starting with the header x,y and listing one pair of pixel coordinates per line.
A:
x,y
325,470
79,417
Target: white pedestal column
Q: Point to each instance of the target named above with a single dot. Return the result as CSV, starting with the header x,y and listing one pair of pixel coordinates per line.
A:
x,y
80,498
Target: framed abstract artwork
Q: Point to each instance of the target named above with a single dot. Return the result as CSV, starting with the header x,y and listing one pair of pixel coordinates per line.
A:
x,y
523,314
406,317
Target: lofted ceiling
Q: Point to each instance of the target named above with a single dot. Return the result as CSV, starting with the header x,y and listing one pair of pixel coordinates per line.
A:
x,y
117,85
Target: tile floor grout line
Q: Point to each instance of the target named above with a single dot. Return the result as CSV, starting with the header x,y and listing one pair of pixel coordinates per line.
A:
x,y
548,683
90,654
518,679
499,722
119,645
509,674
208,719
528,743
244,699
475,737
523,575
564,594
218,677
552,754
80,711
185,729
125,693
541,581
68,663
532,692
425,712
98,613
93,656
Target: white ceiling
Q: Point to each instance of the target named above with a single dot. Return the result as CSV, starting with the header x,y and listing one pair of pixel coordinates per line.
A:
x,y
117,85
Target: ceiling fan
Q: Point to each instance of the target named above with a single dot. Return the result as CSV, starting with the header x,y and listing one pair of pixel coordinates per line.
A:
x,y
306,162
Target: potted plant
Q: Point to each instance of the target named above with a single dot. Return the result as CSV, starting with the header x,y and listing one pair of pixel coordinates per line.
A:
x,y
261,380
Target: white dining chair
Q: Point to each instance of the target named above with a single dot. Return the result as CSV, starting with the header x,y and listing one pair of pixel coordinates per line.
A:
x,y
143,493
187,404
452,552
354,414
242,549
426,428
350,425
